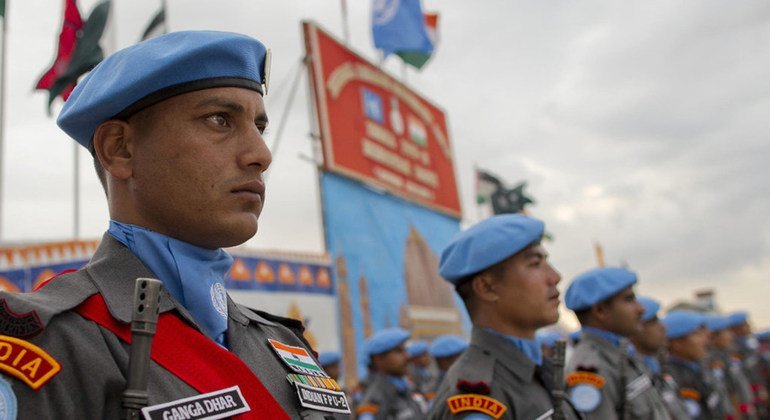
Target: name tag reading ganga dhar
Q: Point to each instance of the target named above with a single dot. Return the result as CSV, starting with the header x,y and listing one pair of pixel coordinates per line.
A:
x,y
213,405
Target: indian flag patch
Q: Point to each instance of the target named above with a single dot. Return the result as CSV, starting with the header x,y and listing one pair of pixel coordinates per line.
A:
x,y
297,358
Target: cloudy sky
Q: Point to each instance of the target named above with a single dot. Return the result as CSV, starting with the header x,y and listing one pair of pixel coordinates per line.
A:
x,y
642,125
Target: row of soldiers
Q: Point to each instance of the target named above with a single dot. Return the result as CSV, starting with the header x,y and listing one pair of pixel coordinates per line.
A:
x,y
624,363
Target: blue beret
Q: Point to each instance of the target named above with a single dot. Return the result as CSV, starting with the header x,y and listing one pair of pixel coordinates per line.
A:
x,y
329,358
596,286
547,338
737,318
488,243
385,340
682,323
149,72
717,323
447,345
763,335
651,307
417,348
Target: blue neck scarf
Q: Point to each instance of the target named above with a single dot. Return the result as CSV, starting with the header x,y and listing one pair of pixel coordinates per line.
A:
x,y
194,276
694,366
530,348
652,363
611,337
399,382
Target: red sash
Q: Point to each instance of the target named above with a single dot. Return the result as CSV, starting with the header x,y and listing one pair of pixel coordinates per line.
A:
x,y
193,358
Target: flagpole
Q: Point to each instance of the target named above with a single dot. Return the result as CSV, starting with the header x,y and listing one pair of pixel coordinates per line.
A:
x,y
345,29
2,113
76,193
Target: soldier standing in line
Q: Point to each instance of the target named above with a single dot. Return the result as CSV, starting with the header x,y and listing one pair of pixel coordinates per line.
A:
x,y
175,127
728,369
650,343
446,349
421,371
603,381
747,350
501,271
687,347
389,394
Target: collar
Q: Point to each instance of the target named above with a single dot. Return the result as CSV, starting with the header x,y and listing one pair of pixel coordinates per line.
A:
x,y
509,356
609,336
194,276
652,363
689,364
399,382
530,348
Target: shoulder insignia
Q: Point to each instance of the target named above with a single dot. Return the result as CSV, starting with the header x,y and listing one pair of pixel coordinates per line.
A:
x,y
476,402
689,394
367,409
24,325
467,387
583,377
27,362
585,390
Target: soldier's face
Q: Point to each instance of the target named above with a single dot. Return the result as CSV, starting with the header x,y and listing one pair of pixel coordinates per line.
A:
x,y
722,339
692,347
393,362
197,166
528,298
624,313
652,336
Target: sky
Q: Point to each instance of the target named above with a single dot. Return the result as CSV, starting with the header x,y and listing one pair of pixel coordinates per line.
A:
x,y
641,125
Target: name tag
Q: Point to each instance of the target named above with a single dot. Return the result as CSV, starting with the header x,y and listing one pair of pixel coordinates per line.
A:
x,y
322,399
213,405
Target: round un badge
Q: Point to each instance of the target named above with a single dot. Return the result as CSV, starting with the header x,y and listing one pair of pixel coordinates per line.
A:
x,y
219,298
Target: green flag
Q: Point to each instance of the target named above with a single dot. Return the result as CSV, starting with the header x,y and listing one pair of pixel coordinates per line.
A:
x,y
87,54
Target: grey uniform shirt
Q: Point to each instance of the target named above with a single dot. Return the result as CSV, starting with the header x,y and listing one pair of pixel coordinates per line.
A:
x,y
597,356
696,387
94,362
668,390
512,379
382,400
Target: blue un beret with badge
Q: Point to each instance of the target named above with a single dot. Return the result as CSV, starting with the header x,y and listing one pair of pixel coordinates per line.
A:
x,y
488,243
385,340
327,358
597,285
151,71
737,318
716,323
417,348
651,307
447,345
682,323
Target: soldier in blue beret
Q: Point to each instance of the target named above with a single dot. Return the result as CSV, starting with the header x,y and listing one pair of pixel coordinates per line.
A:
x,y
688,337
605,380
330,362
421,370
175,125
389,394
501,272
731,381
650,345
446,349
746,348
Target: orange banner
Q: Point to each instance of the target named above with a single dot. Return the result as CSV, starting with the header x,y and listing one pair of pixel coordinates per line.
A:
x,y
378,131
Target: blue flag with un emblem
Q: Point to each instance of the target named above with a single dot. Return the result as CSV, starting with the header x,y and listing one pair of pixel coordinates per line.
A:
x,y
399,26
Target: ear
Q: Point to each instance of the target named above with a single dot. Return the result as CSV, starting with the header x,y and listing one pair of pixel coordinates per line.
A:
x,y
484,287
113,145
601,311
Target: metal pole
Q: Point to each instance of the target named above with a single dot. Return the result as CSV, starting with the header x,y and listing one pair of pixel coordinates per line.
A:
x,y
286,109
345,29
76,193
2,115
